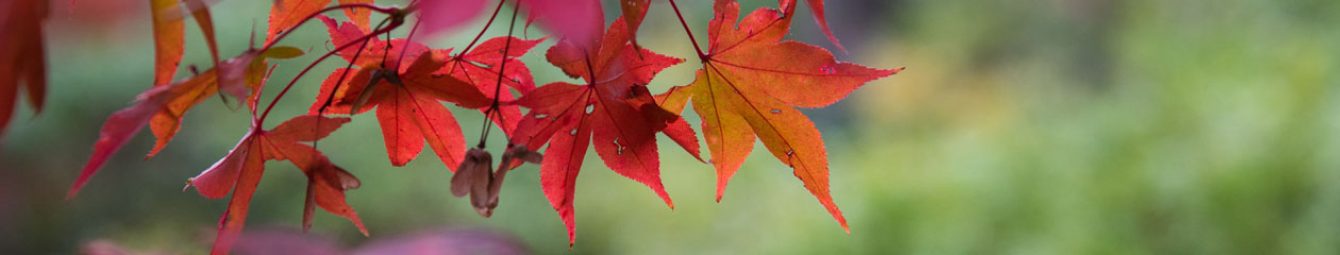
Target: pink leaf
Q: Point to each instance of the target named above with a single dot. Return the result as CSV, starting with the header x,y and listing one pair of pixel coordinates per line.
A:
x,y
439,16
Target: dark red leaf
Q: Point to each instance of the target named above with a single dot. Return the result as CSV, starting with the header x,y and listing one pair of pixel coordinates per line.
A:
x,y
407,101
479,67
614,111
22,55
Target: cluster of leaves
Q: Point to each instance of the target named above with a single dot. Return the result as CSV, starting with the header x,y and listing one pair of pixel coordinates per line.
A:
x,y
748,88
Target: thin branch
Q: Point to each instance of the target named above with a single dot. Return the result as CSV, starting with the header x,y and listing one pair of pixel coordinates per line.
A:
x,y
497,87
395,23
392,11
486,28
701,54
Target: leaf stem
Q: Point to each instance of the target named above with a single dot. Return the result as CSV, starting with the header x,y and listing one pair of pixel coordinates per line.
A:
x,y
502,69
701,55
392,11
408,38
394,23
496,10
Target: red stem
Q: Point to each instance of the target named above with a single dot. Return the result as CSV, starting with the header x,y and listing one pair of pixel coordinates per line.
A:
x,y
384,10
502,69
702,56
394,24
409,38
485,29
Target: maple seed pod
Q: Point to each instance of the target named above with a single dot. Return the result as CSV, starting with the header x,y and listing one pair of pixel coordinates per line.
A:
x,y
511,159
473,177
514,153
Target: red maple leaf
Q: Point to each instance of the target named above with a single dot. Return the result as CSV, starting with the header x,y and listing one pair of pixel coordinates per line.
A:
x,y
241,170
22,55
816,8
749,86
444,15
477,67
480,67
613,111
579,22
406,96
634,11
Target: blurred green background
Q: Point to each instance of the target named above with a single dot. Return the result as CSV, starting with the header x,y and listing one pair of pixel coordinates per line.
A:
x,y
1020,127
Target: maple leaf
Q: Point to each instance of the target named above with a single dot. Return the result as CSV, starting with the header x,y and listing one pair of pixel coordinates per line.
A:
x,y
634,11
749,86
444,15
816,8
477,67
288,14
170,35
22,55
241,170
480,67
204,19
406,99
613,111
162,108
395,54
236,76
359,16
169,39
580,22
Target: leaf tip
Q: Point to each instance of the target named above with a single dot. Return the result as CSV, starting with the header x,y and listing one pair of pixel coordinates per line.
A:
x,y
660,191
69,195
364,230
79,183
842,220
721,188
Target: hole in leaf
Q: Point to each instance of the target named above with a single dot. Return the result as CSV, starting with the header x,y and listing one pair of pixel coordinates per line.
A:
x,y
618,147
827,69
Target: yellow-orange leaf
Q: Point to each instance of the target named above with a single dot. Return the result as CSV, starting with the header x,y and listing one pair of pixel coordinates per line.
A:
x,y
169,39
750,85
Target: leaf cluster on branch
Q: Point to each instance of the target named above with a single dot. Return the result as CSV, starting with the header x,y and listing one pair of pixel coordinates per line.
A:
x,y
748,88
